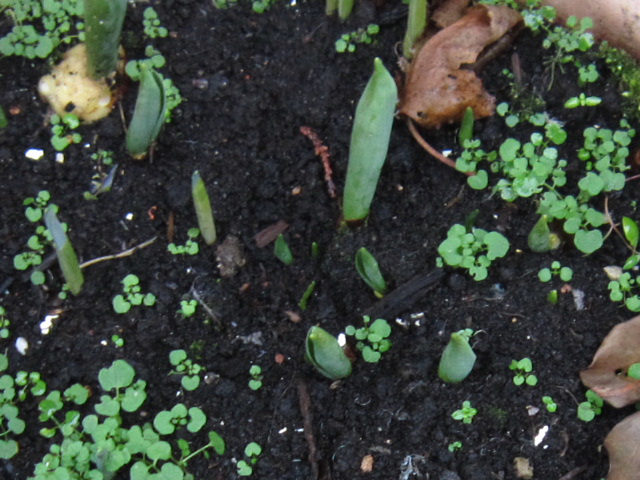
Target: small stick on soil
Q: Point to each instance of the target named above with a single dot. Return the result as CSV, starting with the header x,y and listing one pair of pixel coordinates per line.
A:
x,y
405,295
198,298
573,473
323,152
307,422
432,151
126,253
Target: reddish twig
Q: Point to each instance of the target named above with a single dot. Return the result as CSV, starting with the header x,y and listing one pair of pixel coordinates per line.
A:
x,y
323,152
432,151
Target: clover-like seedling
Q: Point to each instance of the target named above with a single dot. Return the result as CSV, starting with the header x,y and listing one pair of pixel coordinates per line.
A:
x,y
117,340
62,130
188,307
166,421
626,288
256,377
128,395
189,370
550,404
131,296
245,467
523,369
151,22
466,413
348,41
373,340
473,250
556,269
189,248
36,206
588,410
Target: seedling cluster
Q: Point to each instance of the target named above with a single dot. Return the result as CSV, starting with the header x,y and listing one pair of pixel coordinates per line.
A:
x,y
373,339
184,366
251,452
131,295
62,130
466,413
189,248
256,377
348,41
589,409
523,369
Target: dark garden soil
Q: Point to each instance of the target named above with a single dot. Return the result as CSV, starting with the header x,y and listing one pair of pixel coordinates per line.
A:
x,y
249,82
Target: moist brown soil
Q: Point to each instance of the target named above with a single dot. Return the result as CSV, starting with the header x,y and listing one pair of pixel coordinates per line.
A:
x,y
249,82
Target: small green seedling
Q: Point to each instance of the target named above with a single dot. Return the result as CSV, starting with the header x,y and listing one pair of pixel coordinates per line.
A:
x,y
282,251
188,307
131,296
626,288
4,324
588,410
473,249
189,370
304,300
457,358
202,205
348,41
369,270
103,25
466,127
376,335
582,101
556,270
466,413
523,369
190,247
245,467
256,377
549,403
67,258
553,296
454,446
416,23
261,6
167,421
631,235
323,351
151,22
117,340
62,134
541,238
369,142
36,206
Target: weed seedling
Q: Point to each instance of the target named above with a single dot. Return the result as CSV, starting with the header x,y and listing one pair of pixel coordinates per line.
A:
x,y
466,413
473,249
348,41
454,446
117,340
588,410
551,406
188,308
523,369
132,296
151,23
189,370
376,335
556,270
582,101
4,324
62,134
256,377
189,248
626,288
245,467
304,300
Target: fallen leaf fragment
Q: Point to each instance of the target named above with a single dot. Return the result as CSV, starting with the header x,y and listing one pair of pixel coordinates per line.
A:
x,y
607,373
623,445
449,12
438,87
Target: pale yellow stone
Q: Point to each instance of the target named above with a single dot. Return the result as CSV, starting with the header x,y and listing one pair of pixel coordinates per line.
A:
x,y
68,89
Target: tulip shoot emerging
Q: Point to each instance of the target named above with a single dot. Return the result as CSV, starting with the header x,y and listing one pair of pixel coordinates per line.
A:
x,y
202,205
369,142
416,23
457,359
103,24
368,268
325,353
66,255
149,113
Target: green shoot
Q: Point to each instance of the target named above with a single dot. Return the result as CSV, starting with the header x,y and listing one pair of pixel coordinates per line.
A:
x,y
416,23
103,24
457,358
282,251
369,271
67,257
202,205
323,351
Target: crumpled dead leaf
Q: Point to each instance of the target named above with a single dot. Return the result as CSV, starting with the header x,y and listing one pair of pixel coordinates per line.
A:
x,y
449,12
438,88
623,445
607,374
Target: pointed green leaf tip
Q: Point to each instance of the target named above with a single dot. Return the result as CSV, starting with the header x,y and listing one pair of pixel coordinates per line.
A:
x,y
325,353
369,142
149,113
67,258
368,268
457,359
202,205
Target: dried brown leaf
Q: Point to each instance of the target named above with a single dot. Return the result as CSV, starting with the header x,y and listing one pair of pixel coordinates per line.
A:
x,y
438,88
449,12
607,374
623,446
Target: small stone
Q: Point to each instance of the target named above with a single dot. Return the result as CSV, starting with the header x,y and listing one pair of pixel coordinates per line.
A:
x,y
366,465
523,467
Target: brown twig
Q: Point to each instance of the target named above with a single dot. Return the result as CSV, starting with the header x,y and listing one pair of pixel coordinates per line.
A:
x,y
323,152
307,422
432,151
123,254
